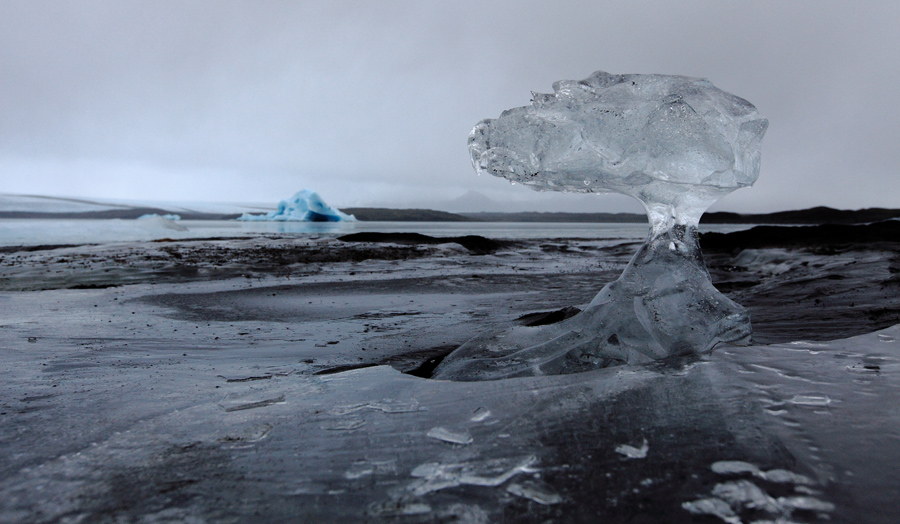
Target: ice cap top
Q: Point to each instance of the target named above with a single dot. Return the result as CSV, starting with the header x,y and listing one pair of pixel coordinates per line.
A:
x,y
654,137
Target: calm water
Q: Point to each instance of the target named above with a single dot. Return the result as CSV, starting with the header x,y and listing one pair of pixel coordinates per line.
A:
x,y
30,232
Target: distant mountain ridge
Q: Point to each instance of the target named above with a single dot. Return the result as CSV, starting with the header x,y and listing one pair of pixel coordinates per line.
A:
x,y
34,206
814,215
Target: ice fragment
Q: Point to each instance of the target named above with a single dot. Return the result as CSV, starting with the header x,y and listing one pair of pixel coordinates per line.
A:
x,y
633,452
676,144
387,406
712,506
783,476
725,467
434,476
810,400
448,435
480,415
537,491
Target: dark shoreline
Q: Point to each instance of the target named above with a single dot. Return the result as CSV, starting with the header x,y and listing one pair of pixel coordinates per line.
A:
x,y
816,215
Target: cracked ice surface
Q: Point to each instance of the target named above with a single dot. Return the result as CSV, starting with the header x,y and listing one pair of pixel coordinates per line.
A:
x,y
676,144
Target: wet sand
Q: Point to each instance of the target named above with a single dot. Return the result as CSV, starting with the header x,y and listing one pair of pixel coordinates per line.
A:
x,y
268,380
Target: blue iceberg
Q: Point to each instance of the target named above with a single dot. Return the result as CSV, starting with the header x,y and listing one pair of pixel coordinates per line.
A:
x,y
305,206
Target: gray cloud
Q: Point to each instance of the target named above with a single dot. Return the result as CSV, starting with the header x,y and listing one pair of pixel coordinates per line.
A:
x,y
371,102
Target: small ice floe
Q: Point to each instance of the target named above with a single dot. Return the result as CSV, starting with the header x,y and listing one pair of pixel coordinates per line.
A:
x,y
434,476
449,435
385,405
632,452
730,467
480,415
730,499
534,490
810,400
778,476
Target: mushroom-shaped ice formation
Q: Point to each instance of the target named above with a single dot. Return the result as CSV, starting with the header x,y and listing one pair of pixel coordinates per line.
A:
x,y
677,144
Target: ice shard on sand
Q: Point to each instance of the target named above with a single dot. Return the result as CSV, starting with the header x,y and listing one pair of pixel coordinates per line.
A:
x,y
677,144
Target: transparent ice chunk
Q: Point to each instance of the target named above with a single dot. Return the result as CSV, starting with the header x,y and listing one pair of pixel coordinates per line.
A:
x,y
676,144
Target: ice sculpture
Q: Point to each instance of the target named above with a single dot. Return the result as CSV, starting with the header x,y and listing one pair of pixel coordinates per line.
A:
x,y
305,206
676,144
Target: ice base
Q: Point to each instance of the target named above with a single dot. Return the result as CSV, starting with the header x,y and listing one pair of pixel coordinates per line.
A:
x,y
663,305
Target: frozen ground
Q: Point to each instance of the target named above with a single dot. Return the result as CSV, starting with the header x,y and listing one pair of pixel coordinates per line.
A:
x,y
261,380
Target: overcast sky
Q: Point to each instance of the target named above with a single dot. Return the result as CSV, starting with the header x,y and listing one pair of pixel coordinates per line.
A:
x,y
371,102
